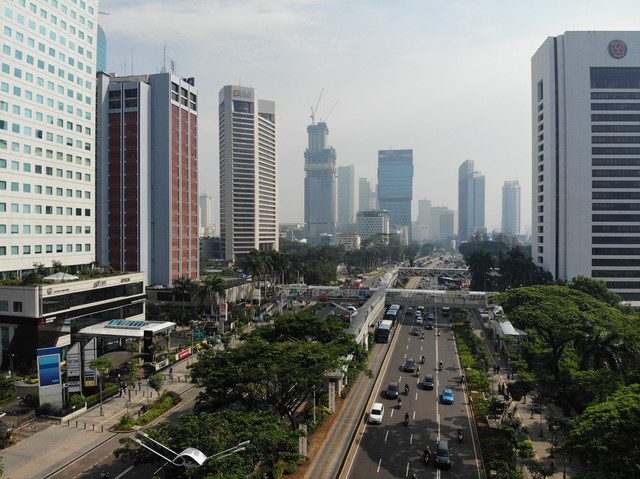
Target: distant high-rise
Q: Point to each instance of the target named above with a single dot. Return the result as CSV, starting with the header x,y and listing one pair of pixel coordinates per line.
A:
x,y
364,194
47,136
248,172
470,201
511,208
442,222
319,184
147,192
395,187
205,216
346,194
586,158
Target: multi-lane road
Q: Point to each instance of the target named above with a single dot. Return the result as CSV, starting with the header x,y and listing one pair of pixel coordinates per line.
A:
x,y
393,449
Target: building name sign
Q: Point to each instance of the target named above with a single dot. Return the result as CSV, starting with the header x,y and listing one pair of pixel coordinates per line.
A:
x,y
243,94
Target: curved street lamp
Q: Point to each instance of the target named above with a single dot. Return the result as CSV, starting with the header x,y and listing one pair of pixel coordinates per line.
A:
x,y
190,457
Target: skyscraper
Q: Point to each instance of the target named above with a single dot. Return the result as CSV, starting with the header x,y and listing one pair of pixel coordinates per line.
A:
x,y
319,184
470,201
585,158
372,223
346,194
47,135
248,172
364,194
511,208
147,193
205,216
395,187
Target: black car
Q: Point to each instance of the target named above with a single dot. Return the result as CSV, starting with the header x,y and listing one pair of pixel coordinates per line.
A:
x,y
443,455
428,381
430,325
392,390
409,365
415,331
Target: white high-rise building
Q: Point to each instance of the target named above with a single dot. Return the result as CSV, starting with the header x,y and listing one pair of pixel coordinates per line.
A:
x,y
586,158
47,135
470,202
511,208
205,216
346,196
248,172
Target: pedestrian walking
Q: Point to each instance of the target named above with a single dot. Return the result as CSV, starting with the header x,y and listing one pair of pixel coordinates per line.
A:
x,y
139,385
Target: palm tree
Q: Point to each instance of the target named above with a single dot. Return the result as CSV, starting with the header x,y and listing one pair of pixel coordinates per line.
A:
x,y
213,287
184,285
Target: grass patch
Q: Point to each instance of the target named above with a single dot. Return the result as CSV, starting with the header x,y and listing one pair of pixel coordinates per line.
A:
x,y
156,409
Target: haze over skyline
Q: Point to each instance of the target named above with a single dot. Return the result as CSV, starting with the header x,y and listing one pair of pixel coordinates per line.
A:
x,y
450,80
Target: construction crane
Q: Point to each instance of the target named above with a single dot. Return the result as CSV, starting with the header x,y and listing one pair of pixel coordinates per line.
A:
x,y
314,109
330,111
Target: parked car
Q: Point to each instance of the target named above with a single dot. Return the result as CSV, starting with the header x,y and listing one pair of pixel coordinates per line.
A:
x,y
428,381
447,396
443,454
409,365
392,390
377,413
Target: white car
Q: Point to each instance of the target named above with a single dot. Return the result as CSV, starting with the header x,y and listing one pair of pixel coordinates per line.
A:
x,y
419,320
377,413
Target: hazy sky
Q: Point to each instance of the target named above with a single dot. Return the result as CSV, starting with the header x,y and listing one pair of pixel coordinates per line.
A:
x,y
449,79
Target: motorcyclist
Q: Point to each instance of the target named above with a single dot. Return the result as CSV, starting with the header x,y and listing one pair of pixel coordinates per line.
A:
x,y
399,402
423,359
460,434
418,369
462,379
440,365
406,417
406,388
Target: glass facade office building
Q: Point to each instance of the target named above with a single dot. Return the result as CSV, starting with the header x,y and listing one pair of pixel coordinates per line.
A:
x,y
586,159
395,187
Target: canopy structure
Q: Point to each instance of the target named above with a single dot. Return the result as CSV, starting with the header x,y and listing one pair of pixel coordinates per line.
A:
x,y
60,276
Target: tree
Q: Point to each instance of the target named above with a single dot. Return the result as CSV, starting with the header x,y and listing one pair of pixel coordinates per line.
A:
x,y
102,365
480,265
596,288
156,382
271,445
184,286
606,435
212,287
278,376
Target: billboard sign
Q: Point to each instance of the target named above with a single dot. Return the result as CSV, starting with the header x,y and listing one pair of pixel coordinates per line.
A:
x,y
90,353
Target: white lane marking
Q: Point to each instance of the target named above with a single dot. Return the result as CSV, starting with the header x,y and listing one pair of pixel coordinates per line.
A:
x,y
379,464
411,439
124,472
414,415
406,474
386,436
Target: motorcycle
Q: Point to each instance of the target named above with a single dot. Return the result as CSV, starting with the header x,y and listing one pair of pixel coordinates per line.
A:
x,y
406,419
426,455
462,379
423,359
440,365
406,389
399,403
460,435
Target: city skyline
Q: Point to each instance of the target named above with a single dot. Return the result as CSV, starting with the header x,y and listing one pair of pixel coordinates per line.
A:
x,y
445,120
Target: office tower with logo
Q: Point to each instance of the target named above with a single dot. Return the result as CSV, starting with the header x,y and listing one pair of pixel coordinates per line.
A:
x,y
248,172
47,136
320,193
511,208
470,202
395,187
586,158
147,175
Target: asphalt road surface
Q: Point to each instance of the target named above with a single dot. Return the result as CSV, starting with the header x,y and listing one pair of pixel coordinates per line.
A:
x,y
394,450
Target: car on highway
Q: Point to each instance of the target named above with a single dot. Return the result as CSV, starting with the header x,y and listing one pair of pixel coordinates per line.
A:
x,y
409,311
430,325
428,381
415,331
392,390
447,396
443,454
377,413
409,365
419,320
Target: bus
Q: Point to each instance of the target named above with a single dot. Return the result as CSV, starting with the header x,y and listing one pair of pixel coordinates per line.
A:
x,y
384,331
391,315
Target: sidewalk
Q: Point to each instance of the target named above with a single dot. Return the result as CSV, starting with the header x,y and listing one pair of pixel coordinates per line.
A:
x,y
45,446
539,433
54,445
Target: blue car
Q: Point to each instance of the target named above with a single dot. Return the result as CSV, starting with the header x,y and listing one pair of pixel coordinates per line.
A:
x,y
447,396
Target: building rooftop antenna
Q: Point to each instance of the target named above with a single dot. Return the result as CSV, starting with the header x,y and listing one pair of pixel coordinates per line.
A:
x,y
314,109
